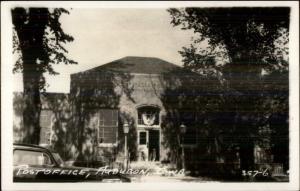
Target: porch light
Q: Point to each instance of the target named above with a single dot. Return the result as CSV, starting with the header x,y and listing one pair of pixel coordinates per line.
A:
x,y
182,132
125,128
182,129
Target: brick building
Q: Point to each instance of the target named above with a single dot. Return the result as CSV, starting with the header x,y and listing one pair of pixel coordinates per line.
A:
x,y
154,97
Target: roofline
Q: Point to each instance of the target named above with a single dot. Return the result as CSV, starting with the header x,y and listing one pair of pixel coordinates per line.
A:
x,y
45,93
29,145
92,69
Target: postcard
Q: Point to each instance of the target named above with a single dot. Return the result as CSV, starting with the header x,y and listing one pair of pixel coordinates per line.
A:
x,y
150,95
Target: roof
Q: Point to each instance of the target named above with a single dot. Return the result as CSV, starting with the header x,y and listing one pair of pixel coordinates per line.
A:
x,y
134,64
43,94
45,147
27,146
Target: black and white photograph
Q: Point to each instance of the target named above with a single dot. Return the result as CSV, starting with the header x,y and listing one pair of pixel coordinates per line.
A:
x,y
178,93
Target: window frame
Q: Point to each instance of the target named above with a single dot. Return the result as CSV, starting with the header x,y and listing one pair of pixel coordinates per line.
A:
x,y
102,126
190,145
53,162
47,130
146,137
50,119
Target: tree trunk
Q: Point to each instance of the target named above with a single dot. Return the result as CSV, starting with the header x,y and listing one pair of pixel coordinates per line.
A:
x,y
32,108
30,27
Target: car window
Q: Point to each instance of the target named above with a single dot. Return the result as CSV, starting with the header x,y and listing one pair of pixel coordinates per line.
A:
x,y
25,157
58,159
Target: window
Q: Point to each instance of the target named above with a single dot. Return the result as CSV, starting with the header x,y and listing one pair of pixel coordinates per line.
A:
x,y
107,125
25,157
108,117
45,123
148,116
58,159
143,138
45,118
45,136
190,137
189,117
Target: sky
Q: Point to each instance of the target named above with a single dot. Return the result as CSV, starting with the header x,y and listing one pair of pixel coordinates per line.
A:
x,y
102,35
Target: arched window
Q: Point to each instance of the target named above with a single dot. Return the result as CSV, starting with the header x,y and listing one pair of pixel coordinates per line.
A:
x,y
148,116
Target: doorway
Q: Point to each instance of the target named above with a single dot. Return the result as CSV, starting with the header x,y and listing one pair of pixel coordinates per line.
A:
x,y
153,145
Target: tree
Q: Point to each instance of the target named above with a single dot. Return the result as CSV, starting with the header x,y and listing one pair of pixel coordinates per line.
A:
x,y
39,38
244,48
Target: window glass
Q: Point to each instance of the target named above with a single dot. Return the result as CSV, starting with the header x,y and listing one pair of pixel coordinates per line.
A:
x,y
25,157
190,137
108,117
107,126
58,159
45,123
45,118
104,122
143,138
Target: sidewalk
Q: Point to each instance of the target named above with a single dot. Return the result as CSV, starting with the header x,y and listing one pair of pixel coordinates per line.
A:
x,y
163,173
166,179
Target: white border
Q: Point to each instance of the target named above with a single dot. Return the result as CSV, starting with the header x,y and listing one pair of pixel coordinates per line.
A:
x,y
6,100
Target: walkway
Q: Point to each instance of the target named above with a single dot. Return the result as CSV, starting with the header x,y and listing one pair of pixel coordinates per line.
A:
x,y
162,173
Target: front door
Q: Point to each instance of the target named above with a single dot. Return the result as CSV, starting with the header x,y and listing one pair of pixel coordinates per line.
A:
x,y
143,145
153,145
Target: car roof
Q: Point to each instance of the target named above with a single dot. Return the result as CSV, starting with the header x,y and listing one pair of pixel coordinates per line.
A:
x,y
29,146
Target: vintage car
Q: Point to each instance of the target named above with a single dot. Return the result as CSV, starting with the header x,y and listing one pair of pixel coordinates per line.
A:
x,y
32,163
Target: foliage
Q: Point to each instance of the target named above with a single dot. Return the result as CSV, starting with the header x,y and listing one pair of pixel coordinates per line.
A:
x,y
39,30
246,50
38,38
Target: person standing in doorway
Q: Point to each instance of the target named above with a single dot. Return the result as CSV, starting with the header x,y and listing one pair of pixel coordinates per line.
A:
x,y
153,155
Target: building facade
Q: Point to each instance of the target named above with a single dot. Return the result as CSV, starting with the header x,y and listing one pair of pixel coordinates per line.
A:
x,y
153,97
126,91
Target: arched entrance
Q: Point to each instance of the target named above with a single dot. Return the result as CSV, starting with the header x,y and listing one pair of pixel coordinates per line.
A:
x,y
148,128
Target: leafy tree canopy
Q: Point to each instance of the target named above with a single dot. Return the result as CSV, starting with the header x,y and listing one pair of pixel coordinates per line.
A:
x,y
247,50
39,39
239,36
